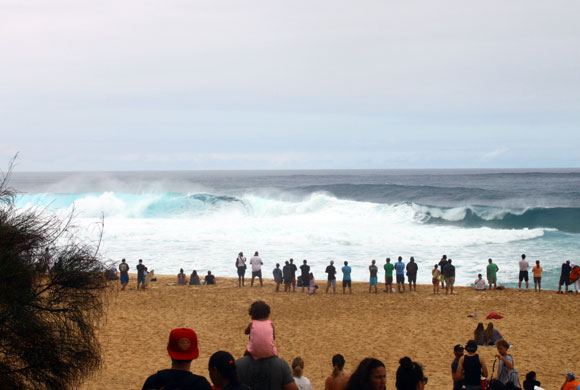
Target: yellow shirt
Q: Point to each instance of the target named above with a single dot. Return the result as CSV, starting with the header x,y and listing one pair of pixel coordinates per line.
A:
x,y
537,271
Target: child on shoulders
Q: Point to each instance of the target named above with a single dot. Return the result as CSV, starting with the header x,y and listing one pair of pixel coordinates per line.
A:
x,y
261,331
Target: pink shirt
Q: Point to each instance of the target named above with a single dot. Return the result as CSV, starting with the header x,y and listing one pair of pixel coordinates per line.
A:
x,y
261,343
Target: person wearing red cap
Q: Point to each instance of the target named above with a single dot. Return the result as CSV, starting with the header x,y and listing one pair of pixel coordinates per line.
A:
x,y
182,349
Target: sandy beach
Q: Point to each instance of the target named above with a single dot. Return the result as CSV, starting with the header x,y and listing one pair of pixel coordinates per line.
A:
x,y
542,327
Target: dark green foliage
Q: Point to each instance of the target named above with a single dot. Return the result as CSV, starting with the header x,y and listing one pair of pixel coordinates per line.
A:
x,y
51,301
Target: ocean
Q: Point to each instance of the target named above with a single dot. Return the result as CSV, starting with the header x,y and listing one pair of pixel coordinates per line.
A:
x,y
202,219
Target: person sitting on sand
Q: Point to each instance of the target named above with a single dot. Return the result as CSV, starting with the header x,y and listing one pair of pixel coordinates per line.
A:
x,y
301,381
182,349
312,286
472,367
479,283
530,383
570,383
338,379
181,277
277,276
491,335
479,334
194,279
410,375
223,372
210,279
369,375
261,331
435,279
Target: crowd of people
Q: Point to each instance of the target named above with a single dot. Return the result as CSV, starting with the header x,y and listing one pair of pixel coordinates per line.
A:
x,y
292,276
262,369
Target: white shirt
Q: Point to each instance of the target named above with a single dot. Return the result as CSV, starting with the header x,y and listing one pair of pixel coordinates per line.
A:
x,y
256,263
480,284
303,383
241,261
524,265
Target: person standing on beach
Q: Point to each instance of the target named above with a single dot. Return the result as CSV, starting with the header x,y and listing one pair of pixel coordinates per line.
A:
x,y
575,277
373,280
524,265
537,273
293,270
491,271
241,267
400,272
412,269
331,271
456,376
270,373
182,349
471,367
564,276
287,275
141,269
388,275
124,274
256,263
305,270
449,272
435,279
277,276
346,270
442,264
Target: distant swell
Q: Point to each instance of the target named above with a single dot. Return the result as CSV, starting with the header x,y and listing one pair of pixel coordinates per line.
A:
x,y
565,219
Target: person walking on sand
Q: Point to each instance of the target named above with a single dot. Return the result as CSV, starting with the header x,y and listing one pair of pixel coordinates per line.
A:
x,y
331,281
241,267
491,271
400,272
412,269
182,349
388,275
564,276
305,273
537,273
141,269
277,276
435,279
449,272
442,264
124,274
256,263
373,280
524,265
346,278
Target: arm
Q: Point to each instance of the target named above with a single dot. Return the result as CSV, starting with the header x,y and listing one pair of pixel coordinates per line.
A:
x,y
483,366
291,386
273,332
509,364
459,373
247,331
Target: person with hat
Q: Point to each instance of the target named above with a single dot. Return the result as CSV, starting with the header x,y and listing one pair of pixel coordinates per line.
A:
x,y
570,383
182,349
457,381
471,367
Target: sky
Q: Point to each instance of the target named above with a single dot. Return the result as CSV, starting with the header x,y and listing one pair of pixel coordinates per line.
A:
x,y
187,85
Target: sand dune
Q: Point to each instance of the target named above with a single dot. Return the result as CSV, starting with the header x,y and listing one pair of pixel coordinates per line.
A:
x,y
542,327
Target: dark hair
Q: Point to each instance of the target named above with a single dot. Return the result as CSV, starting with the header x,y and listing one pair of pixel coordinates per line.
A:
x,y
530,375
400,258
297,367
523,256
346,263
225,364
409,374
488,333
359,380
337,364
259,310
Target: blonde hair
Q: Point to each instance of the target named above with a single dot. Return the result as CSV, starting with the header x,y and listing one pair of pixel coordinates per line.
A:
x,y
297,367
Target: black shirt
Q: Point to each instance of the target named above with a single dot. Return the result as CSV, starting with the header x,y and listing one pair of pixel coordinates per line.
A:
x,y
209,279
177,380
457,385
331,271
449,271
305,270
140,270
566,269
412,268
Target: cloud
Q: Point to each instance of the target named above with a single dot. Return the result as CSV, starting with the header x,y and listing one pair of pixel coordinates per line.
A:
x,y
495,153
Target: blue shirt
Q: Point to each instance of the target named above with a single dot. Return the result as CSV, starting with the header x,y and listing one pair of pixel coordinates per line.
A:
x,y
346,271
400,267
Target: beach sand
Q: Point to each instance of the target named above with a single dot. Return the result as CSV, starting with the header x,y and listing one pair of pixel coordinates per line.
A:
x,y
543,328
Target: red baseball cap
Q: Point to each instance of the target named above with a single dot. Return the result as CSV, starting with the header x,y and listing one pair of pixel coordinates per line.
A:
x,y
183,344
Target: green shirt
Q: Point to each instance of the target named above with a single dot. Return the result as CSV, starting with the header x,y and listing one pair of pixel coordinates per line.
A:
x,y
389,269
491,270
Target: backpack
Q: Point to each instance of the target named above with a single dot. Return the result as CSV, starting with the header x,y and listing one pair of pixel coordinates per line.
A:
x,y
574,274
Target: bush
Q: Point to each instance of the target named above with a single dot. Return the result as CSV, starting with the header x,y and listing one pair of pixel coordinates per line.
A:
x,y
51,300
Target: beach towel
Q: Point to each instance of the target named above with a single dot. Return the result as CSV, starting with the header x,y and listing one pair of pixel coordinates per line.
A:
x,y
494,316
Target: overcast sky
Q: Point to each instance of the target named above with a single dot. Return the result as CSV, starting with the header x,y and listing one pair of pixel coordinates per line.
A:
x,y
170,85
